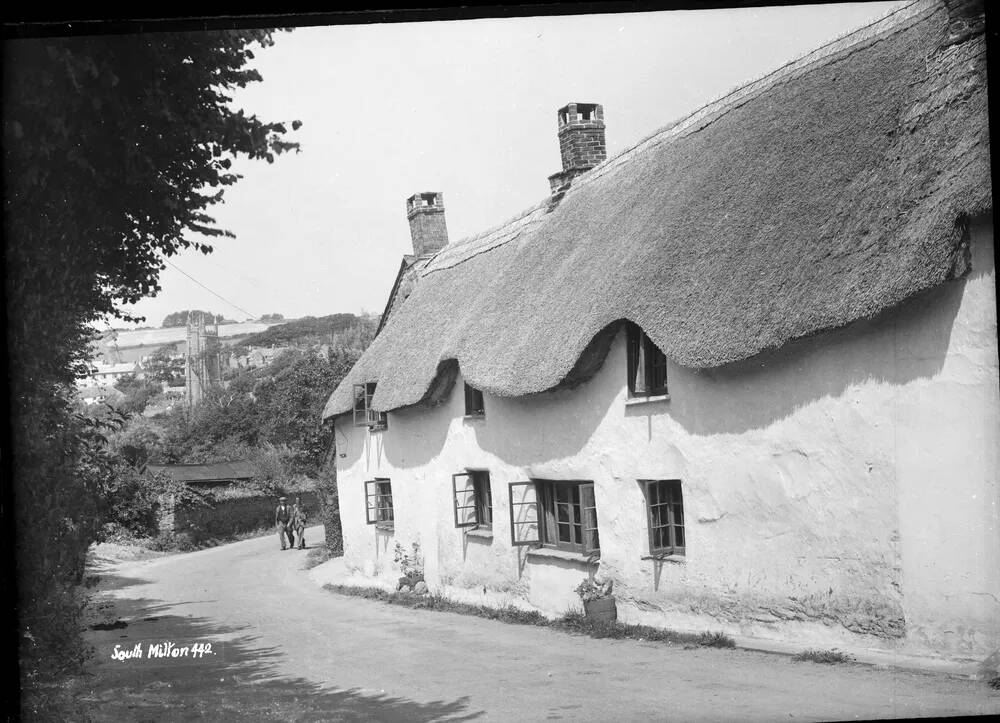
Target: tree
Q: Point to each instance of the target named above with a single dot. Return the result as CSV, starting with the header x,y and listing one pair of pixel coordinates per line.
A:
x,y
180,318
138,391
163,367
115,149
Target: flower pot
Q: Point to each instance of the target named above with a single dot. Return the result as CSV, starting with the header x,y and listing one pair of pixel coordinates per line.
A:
x,y
601,610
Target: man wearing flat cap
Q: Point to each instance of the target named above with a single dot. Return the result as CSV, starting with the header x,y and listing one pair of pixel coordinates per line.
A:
x,y
283,521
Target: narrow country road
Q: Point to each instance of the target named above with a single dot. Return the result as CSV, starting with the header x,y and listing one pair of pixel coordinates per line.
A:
x,y
283,649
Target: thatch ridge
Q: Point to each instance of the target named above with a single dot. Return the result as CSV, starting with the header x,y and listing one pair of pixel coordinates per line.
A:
x,y
826,195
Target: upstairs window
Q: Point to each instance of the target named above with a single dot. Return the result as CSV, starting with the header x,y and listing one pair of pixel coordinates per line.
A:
x,y
665,515
647,365
474,406
557,514
364,415
473,499
378,503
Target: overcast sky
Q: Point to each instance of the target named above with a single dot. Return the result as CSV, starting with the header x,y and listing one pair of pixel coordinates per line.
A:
x,y
467,108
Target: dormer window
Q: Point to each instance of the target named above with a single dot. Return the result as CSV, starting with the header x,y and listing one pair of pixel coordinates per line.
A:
x,y
474,406
647,365
364,415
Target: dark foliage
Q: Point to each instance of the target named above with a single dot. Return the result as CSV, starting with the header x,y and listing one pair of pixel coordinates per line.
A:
x,y
278,405
161,368
114,147
180,318
137,393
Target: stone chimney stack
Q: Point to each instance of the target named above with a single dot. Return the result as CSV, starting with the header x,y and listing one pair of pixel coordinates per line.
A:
x,y
581,141
425,212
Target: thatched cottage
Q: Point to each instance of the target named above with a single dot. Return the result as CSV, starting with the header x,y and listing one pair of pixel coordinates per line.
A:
x,y
747,369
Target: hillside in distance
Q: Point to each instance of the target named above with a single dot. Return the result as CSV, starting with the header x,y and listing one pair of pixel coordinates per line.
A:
x,y
348,331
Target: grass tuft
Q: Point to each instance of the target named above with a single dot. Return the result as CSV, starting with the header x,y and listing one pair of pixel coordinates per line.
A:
x,y
433,601
830,657
317,556
573,622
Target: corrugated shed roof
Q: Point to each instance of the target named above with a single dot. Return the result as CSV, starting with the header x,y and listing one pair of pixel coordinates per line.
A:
x,y
828,191
215,472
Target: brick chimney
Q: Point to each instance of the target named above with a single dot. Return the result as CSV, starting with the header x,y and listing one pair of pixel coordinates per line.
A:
x,y
581,141
425,212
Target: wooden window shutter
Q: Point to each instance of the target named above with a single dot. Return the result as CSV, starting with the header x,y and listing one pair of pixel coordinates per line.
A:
x,y
371,502
464,493
524,514
588,508
649,488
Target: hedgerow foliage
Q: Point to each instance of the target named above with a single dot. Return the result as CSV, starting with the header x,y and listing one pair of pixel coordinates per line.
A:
x,y
115,148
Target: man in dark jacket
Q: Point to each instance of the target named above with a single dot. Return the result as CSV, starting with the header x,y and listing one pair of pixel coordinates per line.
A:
x,y
283,521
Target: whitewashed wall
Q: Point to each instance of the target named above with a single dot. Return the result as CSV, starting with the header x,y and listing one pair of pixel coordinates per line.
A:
x,y
841,490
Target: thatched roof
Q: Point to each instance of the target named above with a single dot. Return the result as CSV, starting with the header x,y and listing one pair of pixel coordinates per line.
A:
x,y
828,191
215,472
409,270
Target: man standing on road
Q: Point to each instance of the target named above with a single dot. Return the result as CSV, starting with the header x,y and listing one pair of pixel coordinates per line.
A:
x,y
299,522
282,520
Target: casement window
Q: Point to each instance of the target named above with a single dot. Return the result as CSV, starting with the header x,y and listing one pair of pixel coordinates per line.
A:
x,y
364,415
647,365
555,513
473,499
665,516
378,503
474,406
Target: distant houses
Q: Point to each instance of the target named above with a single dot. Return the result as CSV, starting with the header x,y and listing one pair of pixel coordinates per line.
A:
x,y
747,369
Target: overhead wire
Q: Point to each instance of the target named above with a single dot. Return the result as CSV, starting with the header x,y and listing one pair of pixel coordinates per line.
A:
x,y
220,296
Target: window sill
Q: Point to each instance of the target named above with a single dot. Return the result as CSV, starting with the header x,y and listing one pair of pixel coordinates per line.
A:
x,y
647,400
480,532
554,554
665,558
474,416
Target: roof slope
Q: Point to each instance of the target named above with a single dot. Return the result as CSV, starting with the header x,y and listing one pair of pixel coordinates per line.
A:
x,y
216,472
831,190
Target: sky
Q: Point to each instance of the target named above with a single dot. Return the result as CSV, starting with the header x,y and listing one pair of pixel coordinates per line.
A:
x,y
467,108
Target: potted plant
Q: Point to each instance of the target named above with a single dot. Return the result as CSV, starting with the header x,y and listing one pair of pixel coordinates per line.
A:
x,y
411,565
598,602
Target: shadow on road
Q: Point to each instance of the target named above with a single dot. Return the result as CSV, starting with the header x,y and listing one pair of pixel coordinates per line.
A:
x,y
238,679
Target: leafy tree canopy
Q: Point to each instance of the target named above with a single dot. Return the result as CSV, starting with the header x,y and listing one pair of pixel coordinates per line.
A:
x,y
115,149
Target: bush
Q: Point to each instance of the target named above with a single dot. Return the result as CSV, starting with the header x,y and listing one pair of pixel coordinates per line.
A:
x,y
172,541
329,509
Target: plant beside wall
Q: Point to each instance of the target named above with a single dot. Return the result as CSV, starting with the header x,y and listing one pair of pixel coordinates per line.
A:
x,y
598,601
412,567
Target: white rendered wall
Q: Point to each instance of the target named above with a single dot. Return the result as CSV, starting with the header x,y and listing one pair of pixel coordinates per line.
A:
x,y
840,490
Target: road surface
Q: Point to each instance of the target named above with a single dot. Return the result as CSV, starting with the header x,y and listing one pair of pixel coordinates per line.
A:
x,y
284,649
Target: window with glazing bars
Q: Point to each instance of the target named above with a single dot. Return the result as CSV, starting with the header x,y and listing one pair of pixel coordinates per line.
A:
x,y
557,514
364,415
473,499
378,503
665,514
647,365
